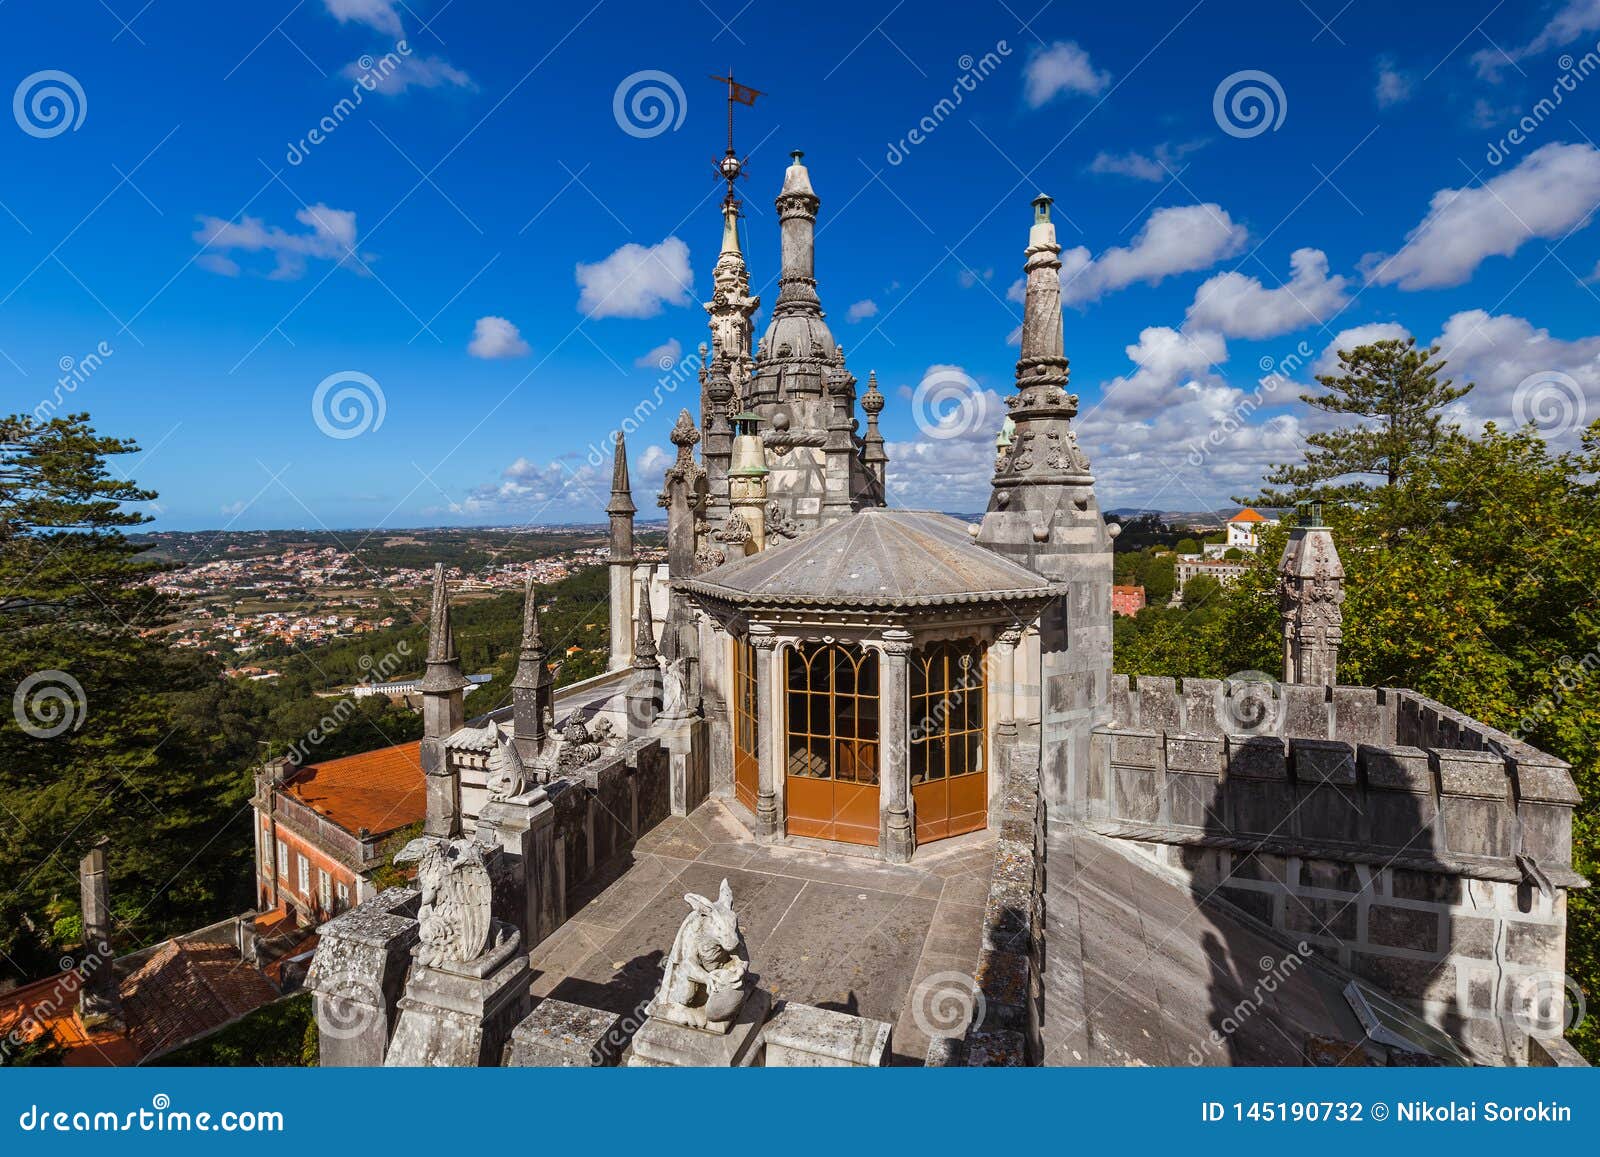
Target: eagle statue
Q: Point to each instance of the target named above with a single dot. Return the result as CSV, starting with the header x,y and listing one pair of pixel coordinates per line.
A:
x,y
453,918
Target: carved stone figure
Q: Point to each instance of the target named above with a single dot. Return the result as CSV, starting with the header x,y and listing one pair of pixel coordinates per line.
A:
x,y
507,775
704,978
675,687
453,918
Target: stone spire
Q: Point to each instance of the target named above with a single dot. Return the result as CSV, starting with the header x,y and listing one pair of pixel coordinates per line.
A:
x,y
1043,514
1042,481
443,675
681,497
621,561
531,689
797,213
442,689
873,453
1310,594
644,646
731,308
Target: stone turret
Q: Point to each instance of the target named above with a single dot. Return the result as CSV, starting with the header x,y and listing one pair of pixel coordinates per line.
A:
x,y
1043,514
442,688
533,690
800,382
873,454
621,560
1310,594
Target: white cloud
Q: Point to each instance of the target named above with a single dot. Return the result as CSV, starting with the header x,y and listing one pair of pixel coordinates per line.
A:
x,y
331,236
1576,18
1497,352
1166,361
1240,306
1553,190
1182,239
217,263
532,490
495,337
663,357
861,310
376,14
636,280
1394,86
1157,165
970,277
1062,67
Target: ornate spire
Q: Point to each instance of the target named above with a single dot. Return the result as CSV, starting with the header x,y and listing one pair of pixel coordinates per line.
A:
x,y
797,206
531,694
1043,358
873,453
444,665
531,669
1043,449
644,644
621,489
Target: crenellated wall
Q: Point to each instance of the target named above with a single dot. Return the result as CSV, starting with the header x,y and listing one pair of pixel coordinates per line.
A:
x,y
1416,847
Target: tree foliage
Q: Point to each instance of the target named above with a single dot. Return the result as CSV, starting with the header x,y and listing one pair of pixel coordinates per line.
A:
x,y
1396,392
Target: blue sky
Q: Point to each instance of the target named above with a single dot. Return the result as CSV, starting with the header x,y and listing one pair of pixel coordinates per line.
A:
x,y
504,258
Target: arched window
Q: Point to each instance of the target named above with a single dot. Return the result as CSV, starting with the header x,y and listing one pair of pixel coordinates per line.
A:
x,y
948,740
832,751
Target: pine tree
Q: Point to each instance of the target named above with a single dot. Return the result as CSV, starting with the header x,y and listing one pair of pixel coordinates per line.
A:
x,y
1396,389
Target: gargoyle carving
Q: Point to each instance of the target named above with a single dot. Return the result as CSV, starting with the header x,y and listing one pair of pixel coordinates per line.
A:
x,y
704,978
453,918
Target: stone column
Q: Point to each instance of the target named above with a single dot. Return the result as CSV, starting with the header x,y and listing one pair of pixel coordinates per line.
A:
x,y
1002,672
100,1001
896,833
1310,594
769,822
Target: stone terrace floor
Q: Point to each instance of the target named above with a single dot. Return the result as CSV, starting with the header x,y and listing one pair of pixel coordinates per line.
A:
x,y
840,931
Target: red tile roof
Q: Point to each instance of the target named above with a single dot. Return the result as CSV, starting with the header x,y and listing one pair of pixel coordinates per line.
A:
x,y
186,991
179,992
378,790
1247,515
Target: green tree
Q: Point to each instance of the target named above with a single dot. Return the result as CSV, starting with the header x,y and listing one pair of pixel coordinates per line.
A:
x,y
112,733
1396,392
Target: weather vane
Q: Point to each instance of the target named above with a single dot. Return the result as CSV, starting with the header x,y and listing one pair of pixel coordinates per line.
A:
x,y
731,168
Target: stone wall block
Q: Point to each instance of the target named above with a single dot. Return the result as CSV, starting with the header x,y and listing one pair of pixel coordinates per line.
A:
x,y
1358,717
1200,703
1159,707
1306,711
